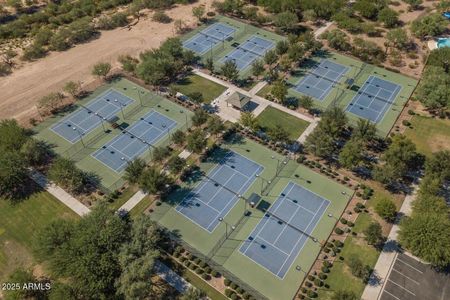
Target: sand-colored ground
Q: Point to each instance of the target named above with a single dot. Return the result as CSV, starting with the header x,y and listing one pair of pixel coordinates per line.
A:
x,y
22,89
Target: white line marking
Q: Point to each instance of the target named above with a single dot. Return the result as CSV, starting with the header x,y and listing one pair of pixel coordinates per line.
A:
x,y
393,269
401,287
392,295
412,267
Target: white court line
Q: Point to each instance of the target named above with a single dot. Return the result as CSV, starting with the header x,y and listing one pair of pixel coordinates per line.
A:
x,y
306,235
290,218
393,100
231,201
265,220
392,295
412,267
269,243
212,173
393,269
401,287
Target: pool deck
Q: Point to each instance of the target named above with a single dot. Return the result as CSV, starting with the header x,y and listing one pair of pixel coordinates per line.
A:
x,y
432,44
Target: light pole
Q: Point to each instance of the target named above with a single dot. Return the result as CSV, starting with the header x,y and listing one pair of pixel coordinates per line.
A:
x,y
101,121
186,117
226,227
262,182
139,94
81,137
121,109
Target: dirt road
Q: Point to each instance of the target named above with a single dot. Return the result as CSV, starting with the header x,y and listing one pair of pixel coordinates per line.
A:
x,y
22,89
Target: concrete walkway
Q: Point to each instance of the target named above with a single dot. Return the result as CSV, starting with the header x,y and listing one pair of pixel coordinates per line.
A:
x,y
60,194
233,114
171,277
133,201
388,254
259,86
307,131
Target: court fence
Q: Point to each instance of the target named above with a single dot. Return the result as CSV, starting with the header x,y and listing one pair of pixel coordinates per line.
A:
x,y
214,265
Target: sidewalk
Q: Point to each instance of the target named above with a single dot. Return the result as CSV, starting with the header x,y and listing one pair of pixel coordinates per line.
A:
x,y
257,99
171,277
133,201
388,254
60,194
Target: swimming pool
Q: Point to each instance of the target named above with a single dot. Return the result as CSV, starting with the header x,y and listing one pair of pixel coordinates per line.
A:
x,y
443,42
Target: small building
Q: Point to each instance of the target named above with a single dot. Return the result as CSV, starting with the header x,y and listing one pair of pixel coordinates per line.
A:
x,y
238,100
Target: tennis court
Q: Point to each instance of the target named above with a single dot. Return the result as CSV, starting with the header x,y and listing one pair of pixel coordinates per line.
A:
x,y
88,117
319,82
209,37
374,99
283,231
219,190
253,48
133,142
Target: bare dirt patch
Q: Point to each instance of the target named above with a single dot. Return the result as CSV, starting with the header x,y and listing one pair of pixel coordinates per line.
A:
x,y
22,89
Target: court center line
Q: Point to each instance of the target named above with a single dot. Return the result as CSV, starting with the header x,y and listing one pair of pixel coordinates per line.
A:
x,y
232,200
307,234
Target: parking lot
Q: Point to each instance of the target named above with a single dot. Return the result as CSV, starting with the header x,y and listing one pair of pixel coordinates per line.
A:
x,y
411,279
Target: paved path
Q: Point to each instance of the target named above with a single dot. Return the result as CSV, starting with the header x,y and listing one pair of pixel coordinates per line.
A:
x,y
388,254
233,115
171,277
322,29
60,194
133,201
259,86
307,131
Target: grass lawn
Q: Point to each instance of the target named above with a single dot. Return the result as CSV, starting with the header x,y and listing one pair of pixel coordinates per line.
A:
x,y
194,83
429,134
142,206
271,117
264,91
124,197
19,225
340,277
193,278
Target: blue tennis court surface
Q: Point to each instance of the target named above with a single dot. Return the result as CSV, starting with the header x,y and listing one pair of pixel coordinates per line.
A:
x,y
135,141
209,37
374,99
86,119
274,243
320,80
217,193
245,54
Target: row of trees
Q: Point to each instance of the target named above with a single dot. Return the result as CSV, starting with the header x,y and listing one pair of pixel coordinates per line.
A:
x,y
433,90
365,50
18,152
426,233
101,256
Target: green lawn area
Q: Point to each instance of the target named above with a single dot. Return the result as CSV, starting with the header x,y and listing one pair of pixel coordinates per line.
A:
x,y
142,206
340,277
19,224
124,197
429,134
271,117
264,91
194,83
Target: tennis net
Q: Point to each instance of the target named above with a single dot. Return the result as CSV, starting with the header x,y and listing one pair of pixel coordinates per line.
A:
x,y
288,224
323,77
